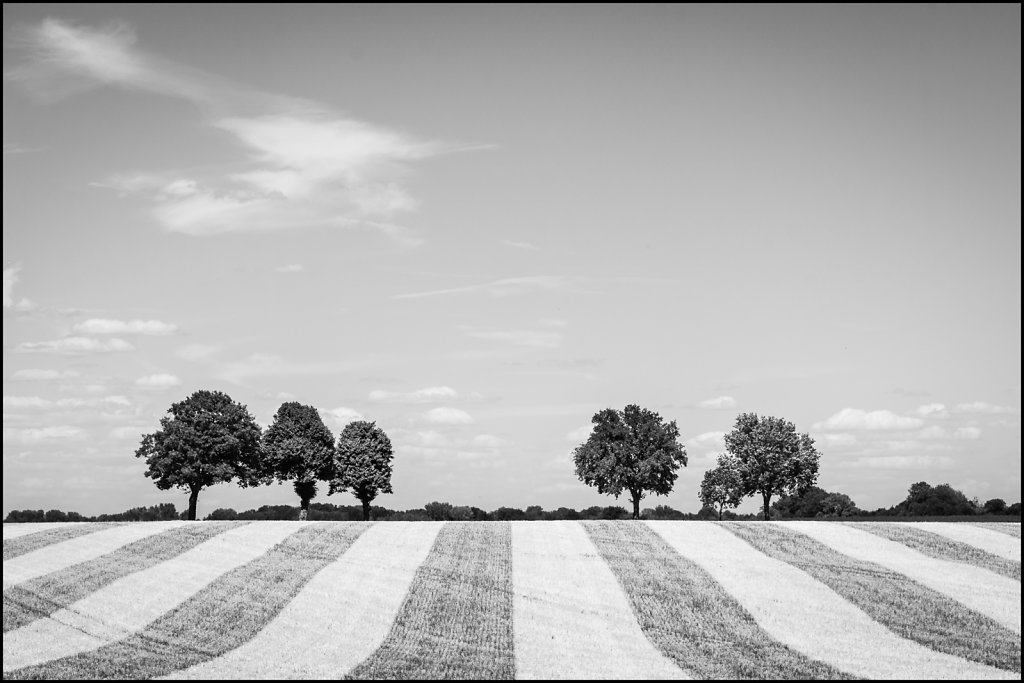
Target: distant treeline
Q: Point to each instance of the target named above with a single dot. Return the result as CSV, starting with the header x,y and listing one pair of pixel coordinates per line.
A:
x,y
922,501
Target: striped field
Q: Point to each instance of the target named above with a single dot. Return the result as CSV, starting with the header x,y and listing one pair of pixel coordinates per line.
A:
x,y
501,600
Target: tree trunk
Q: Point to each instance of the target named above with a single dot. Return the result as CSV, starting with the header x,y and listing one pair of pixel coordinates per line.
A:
x,y
193,498
303,509
721,509
767,499
366,511
636,505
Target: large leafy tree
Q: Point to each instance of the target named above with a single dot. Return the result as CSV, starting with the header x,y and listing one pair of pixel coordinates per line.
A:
x,y
773,459
204,440
363,463
631,450
722,485
298,447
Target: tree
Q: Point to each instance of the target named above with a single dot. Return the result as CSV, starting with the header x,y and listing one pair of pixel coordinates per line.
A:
x,y
923,500
772,458
995,506
815,502
722,485
363,463
630,450
299,447
204,440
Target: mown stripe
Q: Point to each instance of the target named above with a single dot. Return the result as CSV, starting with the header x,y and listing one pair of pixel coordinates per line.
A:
x,y
571,619
689,617
43,596
990,541
131,603
456,621
904,606
995,596
339,618
227,613
942,548
58,556
808,616
14,547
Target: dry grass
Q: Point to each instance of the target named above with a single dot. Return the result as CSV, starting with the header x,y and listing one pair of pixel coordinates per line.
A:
x,y
943,548
45,595
1008,528
129,604
18,529
227,613
806,615
689,616
26,543
52,558
571,619
339,618
900,604
995,596
456,621
979,537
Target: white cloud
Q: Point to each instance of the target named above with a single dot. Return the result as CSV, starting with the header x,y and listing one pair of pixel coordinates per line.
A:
x,y
532,338
903,462
342,415
580,434
490,441
26,402
718,403
853,418
933,432
983,408
444,415
104,326
132,433
75,345
42,434
837,441
967,433
427,395
10,279
505,287
290,268
932,410
36,375
158,381
93,402
305,166
707,440
519,245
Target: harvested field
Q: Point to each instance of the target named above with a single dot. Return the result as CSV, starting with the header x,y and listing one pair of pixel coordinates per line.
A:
x,y
493,600
944,548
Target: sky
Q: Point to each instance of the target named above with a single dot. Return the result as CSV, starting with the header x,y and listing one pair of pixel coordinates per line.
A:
x,y
478,226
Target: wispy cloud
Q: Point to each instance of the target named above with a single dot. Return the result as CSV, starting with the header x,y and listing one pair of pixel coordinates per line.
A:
x,y
519,245
856,419
35,435
290,268
983,408
924,463
306,165
718,403
450,416
11,279
158,381
14,148
427,395
504,287
932,410
967,433
342,415
37,375
75,346
580,434
707,440
105,326
535,338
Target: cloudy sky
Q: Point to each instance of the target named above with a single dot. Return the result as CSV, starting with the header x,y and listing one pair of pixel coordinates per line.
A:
x,y
478,226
